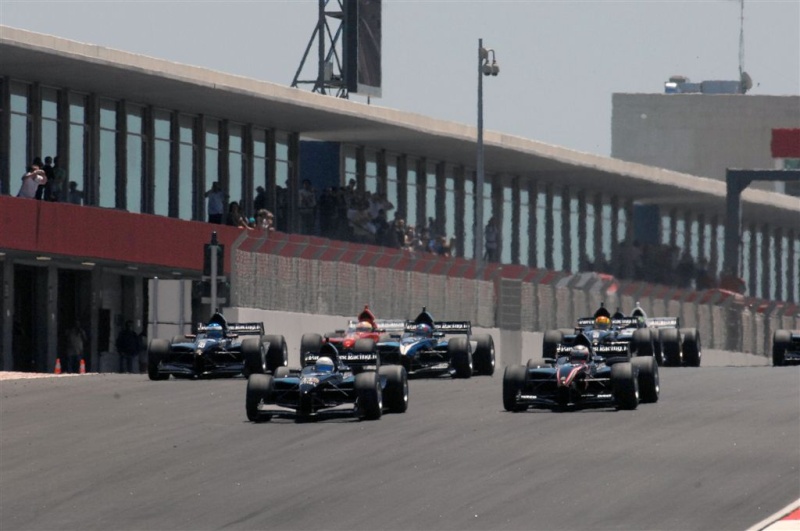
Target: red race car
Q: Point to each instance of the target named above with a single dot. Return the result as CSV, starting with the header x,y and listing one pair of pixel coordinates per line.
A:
x,y
366,326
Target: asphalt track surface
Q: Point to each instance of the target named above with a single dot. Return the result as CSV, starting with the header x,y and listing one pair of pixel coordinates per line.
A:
x,y
719,451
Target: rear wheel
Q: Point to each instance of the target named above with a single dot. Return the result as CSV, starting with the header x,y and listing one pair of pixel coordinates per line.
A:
x,y
309,344
369,395
642,342
281,372
277,352
259,391
157,350
484,356
692,351
550,343
395,393
670,346
178,339
513,384
781,342
649,383
624,385
657,352
460,357
254,358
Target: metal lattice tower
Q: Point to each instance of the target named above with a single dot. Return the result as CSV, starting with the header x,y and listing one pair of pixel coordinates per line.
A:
x,y
330,70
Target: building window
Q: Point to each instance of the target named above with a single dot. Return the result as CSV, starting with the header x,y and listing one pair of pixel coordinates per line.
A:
x,y
108,154
469,214
20,154
236,167
541,229
211,148
49,122
371,172
187,165
391,181
506,229
449,205
135,143
524,228
558,236
411,194
162,126
282,173
79,142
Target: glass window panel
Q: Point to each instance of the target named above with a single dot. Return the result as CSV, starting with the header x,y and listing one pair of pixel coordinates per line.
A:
x,y
50,103
77,151
77,108
133,199
745,259
371,175
524,235
19,97
236,167
108,116
771,250
161,180
185,173
574,240
212,167
49,138
558,255
591,219
108,169
260,143
391,180
469,216
541,228
607,231
694,234
134,120
759,265
212,134
449,207
162,125
186,124
235,138
506,229
665,224
411,199
720,243
18,153
433,217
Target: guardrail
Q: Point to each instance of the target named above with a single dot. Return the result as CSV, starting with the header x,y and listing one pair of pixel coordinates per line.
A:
x,y
307,274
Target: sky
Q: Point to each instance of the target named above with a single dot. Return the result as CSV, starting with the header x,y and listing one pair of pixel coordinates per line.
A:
x,y
560,60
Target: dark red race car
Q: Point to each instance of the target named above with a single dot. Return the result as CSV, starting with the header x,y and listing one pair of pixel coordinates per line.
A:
x,y
365,326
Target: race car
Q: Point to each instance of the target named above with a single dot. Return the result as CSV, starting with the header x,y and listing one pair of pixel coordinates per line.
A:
x,y
580,378
365,326
659,337
330,378
425,348
785,347
218,349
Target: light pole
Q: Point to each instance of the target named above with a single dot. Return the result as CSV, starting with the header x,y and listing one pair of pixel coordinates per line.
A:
x,y
485,68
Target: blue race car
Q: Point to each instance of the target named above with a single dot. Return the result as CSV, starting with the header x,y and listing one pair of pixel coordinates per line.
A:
x,y
425,348
219,349
329,378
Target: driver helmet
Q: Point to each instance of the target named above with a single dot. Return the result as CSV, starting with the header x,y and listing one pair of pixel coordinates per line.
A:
x,y
214,330
579,353
364,326
602,322
324,364
424,330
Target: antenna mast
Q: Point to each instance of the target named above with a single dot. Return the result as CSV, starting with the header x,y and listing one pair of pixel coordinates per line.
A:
x,y
330,73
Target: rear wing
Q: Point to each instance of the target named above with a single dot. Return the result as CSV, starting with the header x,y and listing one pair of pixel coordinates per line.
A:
x,y
241,329
444,327
663,322
354,360
608,350
382,325
619,322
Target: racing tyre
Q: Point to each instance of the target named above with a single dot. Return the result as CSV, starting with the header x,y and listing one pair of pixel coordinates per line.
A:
x,y
551,340
157,350
259,390
538,363
625,385
309,343
692,352
460,357
178,339
369,395
277,352
395,393
781,342
484,356
281,372
643,342
254,359
513,384
649,384
670,346
657,352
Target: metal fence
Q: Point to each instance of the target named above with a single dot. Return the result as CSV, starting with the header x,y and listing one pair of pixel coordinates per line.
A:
x,y
317,276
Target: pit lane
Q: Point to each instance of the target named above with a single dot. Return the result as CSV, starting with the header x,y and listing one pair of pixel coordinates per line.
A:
x,y
108,451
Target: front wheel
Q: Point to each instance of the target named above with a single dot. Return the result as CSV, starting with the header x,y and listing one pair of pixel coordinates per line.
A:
x,y
254,358
259,391
369,395
513,384
625,385
396,388
460,357
692,351
156,352
649,383
484,356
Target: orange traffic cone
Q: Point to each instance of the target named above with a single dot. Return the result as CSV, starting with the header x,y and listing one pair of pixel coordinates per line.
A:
x,y
83,367
58,366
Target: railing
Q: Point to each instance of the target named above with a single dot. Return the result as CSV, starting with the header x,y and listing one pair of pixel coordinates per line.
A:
x,y
306,274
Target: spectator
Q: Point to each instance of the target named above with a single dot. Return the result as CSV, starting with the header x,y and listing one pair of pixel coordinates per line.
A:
x,y
37,161
265,220
260,201
216,203
127,347
235,217
33,180
74,195
307,207
76,343
328,213
395,238
59,181
47,194
491,241
686,270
